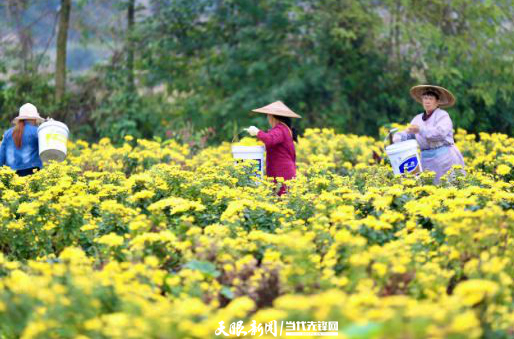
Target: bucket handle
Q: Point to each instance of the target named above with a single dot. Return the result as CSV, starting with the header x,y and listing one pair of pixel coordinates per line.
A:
x,y
390,136
238,136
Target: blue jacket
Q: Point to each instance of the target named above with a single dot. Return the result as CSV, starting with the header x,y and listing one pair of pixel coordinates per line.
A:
x,y
25,157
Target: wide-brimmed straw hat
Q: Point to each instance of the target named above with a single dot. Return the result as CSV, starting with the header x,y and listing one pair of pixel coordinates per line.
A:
x,y
446,98
28,112
277,108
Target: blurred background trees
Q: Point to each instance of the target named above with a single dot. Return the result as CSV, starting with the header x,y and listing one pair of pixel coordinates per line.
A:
x,y
158,67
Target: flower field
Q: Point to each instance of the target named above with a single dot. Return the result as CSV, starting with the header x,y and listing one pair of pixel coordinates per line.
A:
x,y
147,240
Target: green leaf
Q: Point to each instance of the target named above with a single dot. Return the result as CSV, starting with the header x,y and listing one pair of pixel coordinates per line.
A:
x,y
370,330
226,292
205,267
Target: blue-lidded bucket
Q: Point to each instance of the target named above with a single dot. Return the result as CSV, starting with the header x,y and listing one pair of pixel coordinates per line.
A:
x,y
250,153
405,157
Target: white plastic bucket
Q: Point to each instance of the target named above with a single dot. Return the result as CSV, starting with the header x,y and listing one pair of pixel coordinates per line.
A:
x,y
405,157
53,139
241,153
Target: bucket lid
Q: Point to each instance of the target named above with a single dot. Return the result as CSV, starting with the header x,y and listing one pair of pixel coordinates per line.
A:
x,y
52,122
247,149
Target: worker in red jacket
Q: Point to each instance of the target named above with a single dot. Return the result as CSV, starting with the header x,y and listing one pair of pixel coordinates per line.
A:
x,y
279,141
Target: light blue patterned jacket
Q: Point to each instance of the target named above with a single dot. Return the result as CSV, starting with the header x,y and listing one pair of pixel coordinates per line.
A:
x,y
25,157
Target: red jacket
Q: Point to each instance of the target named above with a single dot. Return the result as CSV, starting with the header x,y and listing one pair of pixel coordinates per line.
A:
x,y
280,152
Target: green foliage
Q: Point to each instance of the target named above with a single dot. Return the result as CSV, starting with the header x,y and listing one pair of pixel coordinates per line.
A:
x,y
467,47
343,64
339,63
206,267
22,88
252,53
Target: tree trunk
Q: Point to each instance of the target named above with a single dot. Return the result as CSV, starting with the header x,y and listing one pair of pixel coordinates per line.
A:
x,y
130,43
397,37
62,39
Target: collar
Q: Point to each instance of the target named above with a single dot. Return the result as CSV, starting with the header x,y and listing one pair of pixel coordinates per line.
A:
x,y
426,116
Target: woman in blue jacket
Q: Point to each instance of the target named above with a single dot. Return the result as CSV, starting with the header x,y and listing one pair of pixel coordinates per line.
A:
x,y
20,146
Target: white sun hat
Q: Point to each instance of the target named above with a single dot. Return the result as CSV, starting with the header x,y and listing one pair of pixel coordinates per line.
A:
x,y
28,112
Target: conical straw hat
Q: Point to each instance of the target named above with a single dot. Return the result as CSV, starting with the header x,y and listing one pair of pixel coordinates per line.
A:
x,y
446,98
277,108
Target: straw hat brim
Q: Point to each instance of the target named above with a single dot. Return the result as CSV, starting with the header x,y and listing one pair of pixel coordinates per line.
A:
x,y
446,98
25,117
277,108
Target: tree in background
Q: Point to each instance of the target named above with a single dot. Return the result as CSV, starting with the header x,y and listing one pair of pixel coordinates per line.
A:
x,y
340,63
223,58
346,64
14,11
27,31
131,18
62,40
467,46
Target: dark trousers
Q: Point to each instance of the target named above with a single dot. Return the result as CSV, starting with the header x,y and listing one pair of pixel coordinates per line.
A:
x,y
26,171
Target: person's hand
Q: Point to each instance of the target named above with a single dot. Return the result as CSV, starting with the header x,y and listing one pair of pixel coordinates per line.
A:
x,y
252,130
413,129
396,138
